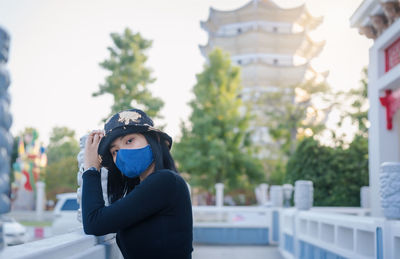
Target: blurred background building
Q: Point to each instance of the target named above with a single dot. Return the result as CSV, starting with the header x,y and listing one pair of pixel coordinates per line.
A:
x,y
273,48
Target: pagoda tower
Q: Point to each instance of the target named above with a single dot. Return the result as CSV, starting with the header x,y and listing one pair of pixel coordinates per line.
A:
x,y
271,45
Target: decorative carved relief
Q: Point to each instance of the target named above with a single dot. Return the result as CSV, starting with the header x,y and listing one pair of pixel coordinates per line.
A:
x,y
368,31
391,11
379,22
390,189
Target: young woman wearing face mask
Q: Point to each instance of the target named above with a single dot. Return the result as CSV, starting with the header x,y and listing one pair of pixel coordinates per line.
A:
x,y
150,207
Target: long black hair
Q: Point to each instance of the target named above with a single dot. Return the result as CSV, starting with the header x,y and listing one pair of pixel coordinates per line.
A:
x,y
119,185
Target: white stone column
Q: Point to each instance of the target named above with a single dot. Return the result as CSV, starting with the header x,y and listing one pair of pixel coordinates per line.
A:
x,y
276,194
303,195
263,193
373,131
383,144
40,194
365,198
219,199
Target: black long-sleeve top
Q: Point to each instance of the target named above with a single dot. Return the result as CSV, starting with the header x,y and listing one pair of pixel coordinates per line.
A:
x,y
154,220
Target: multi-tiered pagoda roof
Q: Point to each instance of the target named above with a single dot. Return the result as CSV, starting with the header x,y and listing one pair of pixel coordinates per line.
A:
x,y
262,10
260,41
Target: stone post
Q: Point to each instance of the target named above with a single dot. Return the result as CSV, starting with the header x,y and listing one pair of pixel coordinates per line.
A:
x,y
365,199
257,192
40,196
219,199
276,194
263,193
390,189
303,195
287,194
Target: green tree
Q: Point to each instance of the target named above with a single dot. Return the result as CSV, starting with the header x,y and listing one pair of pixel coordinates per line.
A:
x,y
62,167
354,109
61,177
337,173
358,112
129,77
216,147
62,144
291,113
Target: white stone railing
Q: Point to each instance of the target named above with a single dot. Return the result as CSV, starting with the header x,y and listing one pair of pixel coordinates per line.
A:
x,y
252,222
74,245
322,234
251,225
391,241
317,233
353,211
254,216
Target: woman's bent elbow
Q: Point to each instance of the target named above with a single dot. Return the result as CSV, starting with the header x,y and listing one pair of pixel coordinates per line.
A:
x,y
90,229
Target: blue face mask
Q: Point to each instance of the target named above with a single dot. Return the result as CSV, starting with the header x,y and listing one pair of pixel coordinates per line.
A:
x,y
133,162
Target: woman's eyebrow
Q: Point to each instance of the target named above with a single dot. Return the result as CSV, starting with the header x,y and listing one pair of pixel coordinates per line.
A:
x,y
113,145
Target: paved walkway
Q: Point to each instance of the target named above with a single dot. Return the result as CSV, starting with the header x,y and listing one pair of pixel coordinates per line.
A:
x,y
236,252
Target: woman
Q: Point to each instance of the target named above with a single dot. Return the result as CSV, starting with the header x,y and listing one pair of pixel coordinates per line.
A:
x,y
150,203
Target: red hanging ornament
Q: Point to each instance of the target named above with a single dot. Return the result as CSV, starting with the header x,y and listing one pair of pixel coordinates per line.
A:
x,y
391,101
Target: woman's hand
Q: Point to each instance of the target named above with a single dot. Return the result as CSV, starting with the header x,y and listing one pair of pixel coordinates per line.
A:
x,y
91,155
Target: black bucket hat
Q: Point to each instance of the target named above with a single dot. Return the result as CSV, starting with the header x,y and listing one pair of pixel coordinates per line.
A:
x,y
123,123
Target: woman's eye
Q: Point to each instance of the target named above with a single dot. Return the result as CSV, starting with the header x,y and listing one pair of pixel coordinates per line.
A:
x,y
114,152
129,141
